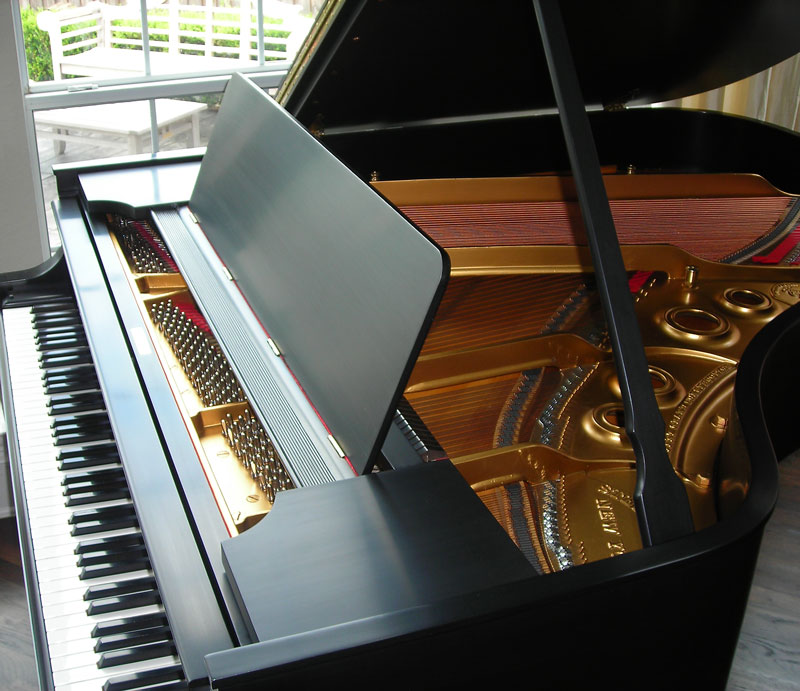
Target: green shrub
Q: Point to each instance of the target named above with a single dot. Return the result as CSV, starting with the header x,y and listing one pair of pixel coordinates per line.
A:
x,y
118,32
37,42
68,28
37,48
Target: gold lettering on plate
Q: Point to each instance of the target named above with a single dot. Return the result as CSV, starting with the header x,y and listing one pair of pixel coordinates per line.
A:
x,y
616,548
786,291
622,497
691,397
608,518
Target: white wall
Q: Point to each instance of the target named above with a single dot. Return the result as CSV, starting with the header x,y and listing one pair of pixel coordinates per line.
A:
x,y
23,233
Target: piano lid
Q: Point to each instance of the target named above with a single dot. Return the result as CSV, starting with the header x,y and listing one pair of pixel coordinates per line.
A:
x,y
377,62
343,284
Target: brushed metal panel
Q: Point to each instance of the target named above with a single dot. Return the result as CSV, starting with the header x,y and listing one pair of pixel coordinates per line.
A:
x,y
341,282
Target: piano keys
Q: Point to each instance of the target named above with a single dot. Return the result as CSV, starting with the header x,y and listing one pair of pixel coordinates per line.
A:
x,y
425,419
104,621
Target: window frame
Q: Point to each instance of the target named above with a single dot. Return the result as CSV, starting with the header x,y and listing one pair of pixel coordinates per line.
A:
x,y
85,91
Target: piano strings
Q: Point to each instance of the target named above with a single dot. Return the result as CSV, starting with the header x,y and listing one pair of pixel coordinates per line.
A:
x,y
515,380
240,459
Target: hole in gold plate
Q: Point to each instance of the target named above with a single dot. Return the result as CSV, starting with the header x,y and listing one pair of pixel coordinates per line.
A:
x,y
615,417
747,299
696,321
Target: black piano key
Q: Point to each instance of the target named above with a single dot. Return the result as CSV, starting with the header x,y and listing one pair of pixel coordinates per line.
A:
x,y
44,328
43,312
101,451
113,542
65,357
48,322
77,379
129,640
114,568
48,343
76,429
83,436
93,481
92,396
58,322
55,307
67,423
103,513
59,331
53,301
87,456
148,651
54,376
123,602
86,461
93,497
74,385
92,527
134,585
94,478
152,678
111,557
128,624
90,521
79,421
69,403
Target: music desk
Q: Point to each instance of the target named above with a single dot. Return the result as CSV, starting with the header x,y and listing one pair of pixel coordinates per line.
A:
x,y
108,122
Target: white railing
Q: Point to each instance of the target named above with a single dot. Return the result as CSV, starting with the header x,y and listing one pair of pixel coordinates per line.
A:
x,y
100,40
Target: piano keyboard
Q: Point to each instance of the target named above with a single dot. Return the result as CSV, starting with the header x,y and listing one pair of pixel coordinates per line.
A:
x,y
105,625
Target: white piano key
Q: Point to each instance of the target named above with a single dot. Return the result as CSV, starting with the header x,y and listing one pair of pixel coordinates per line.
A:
x,y
59,627
70,589
61,514
49,540
92,672
57,611
43,475
55,504
89,659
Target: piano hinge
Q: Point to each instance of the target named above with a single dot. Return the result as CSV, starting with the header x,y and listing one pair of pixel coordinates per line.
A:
x,y
335,445
273,346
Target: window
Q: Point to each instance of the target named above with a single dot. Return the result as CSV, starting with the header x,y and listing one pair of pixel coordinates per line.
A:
x,y
103,82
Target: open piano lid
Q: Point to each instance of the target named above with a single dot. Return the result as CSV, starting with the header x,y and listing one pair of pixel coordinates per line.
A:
x,y
344,285
373,62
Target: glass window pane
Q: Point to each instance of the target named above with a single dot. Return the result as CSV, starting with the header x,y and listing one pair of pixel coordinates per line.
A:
x,y
214,36
80,41
105,40
66,135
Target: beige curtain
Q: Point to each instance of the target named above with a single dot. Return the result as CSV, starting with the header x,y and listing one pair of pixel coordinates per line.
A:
x,y
772,95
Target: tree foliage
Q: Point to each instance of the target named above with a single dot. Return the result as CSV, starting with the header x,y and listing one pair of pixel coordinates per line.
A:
x,y
37,48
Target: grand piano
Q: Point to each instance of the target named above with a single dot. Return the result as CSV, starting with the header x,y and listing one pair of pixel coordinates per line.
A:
x,y
445,366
